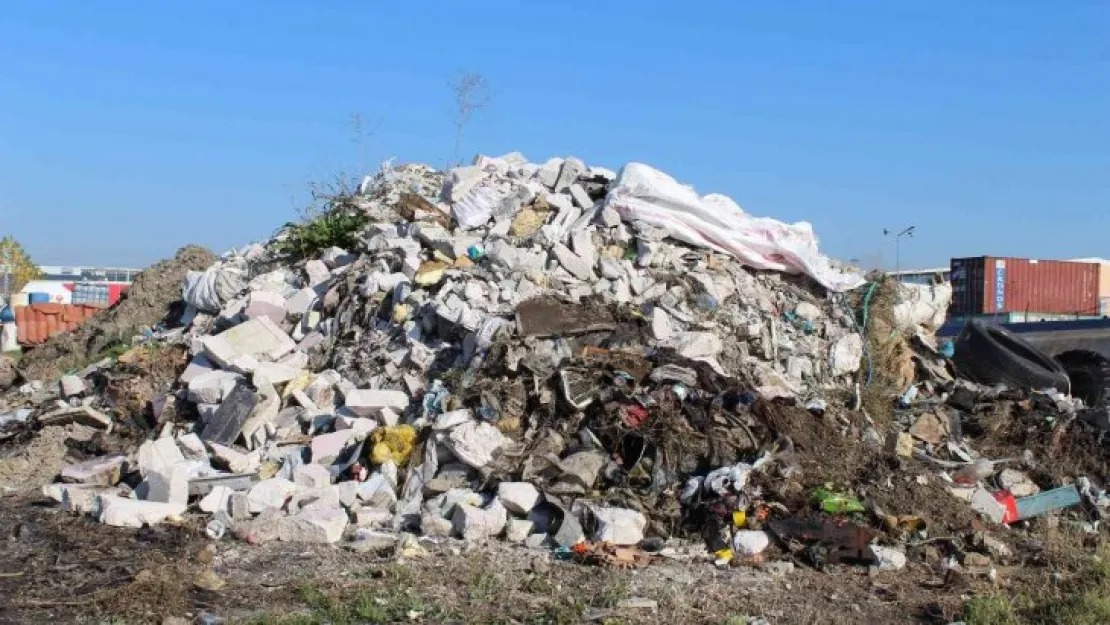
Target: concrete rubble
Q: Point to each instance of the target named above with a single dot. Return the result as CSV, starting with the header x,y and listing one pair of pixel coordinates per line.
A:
x,y
505,354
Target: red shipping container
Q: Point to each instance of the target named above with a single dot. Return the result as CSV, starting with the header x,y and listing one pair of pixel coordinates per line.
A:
x,y
115,291
990,284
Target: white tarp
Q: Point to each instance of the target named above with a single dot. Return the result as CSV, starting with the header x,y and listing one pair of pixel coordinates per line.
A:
x,y
922,305
8,337
209,290
641,193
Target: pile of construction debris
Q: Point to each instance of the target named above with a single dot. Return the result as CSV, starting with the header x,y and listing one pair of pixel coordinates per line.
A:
x,y
552,353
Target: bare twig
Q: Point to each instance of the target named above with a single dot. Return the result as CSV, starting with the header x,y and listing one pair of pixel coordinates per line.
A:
x,y
471,94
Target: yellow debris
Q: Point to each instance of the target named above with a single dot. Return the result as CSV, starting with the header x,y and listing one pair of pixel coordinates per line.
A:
x,y
299,383
430,273
400,313
392,443
526,223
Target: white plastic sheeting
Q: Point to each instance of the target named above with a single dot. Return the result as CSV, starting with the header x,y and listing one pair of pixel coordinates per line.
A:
x,y
8,337
641,193
922,305
209,290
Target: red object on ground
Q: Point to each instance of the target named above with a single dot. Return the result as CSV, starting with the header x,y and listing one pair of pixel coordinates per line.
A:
x,y
38,322
633,415
1007,500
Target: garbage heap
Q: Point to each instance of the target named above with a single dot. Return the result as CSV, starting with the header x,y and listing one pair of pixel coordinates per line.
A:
x,y
552,353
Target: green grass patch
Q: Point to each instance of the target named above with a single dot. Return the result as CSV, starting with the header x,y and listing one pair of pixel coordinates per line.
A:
x,y
338,227
990,610
353,608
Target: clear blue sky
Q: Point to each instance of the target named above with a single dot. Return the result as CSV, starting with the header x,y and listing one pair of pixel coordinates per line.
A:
x,y
130,128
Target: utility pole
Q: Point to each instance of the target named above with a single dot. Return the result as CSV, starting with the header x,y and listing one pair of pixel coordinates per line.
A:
x,y
907,232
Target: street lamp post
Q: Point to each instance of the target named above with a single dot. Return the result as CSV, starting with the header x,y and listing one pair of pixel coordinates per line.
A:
x,y
908,232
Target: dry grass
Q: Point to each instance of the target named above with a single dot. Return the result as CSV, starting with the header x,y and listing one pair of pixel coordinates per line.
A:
x,y
890,368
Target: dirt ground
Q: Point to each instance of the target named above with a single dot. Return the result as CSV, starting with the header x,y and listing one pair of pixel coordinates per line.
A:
x,y
62,568
59,567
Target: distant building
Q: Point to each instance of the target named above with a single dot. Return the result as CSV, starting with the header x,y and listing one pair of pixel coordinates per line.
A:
x,y
75,273
921,276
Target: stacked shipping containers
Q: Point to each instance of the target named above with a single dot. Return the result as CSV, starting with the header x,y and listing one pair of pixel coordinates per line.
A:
x,y
1030,290
98,293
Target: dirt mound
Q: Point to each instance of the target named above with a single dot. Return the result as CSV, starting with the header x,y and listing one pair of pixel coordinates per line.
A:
x,y
145,304
29,467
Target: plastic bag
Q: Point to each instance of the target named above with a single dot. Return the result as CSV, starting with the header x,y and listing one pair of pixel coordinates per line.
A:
x,y
209,290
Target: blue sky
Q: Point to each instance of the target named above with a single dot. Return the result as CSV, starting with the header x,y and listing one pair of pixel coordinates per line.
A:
x,y
130,128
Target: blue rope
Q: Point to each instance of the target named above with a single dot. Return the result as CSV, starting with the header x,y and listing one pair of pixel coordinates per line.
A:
x,y
863,331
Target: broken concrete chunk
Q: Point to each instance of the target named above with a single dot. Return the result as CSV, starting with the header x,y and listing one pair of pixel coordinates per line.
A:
x,y
226,425
276,373
609,217
312,476
235,460
574,264
103,471
238,506
580,472
315,525
548,174
517,530
216,500
85,415
265,304
361,426
301,302
696,345
159,456
460,181
474,524
369,403
580,197
79,498
571,170
570,531
335,257
317,272
169,485
367,541
619,526
326,448
271,493
661,326
1018,483
518,497
192,447
476,207
122,512
240,348
369,516
212,387
71,386
845,355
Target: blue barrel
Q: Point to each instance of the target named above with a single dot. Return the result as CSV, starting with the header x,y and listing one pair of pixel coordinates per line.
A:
x,y
7,315
39,298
